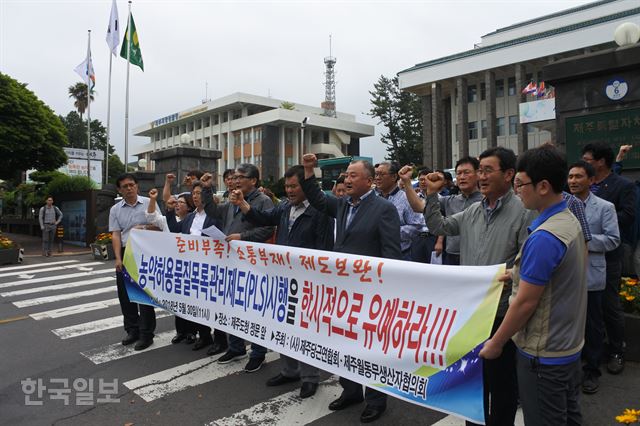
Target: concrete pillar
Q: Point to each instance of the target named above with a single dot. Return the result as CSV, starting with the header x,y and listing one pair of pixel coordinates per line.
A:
x,y
296,146
253,141
242,145
283,159
427,132
523,137
490,99
462,111
437,125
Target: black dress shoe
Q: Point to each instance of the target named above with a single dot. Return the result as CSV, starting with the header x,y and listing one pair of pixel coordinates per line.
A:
x,y
344,402
281,380
201,344
308,389
371,414
178,338
131,338
143,344
190,339
217,348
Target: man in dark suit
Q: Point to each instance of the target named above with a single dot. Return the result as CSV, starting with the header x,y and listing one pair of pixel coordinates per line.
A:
x,y
365,225
619,191
299,225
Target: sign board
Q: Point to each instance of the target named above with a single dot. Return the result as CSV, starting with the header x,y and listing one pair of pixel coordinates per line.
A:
x,y
82,153
542,110
621,127
78,167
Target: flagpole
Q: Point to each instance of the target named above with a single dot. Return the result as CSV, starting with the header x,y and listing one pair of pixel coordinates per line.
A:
x,y
89,109
106,150
126,110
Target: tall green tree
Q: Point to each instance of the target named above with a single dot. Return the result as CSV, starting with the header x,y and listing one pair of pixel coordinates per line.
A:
x,y
31,135
401,114
79,94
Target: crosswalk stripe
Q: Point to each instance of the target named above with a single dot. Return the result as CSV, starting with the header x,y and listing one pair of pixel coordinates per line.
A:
x,y
60,297
457,421
288,408
185,376
58,277
96,326
37,265
57,287
50,268
118,351
75,309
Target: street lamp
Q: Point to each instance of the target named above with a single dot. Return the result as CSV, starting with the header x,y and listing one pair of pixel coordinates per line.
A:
x,y
627,34
142,164
301,150
184,139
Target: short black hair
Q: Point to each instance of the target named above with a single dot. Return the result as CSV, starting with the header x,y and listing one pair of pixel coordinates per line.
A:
x,y
250,171
591,172
600,150
296,170
196,184
544,163
506,156
197,173
394,166
447,176
468,160
340,180
125,176
227,173
367,165
424,172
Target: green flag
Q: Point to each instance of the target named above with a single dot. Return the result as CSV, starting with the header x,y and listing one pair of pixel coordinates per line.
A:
x,y
135,54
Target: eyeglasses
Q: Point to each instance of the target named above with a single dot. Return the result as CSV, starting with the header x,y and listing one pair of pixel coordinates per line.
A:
x,y
381,174
519,185
466,172
487,171
238,177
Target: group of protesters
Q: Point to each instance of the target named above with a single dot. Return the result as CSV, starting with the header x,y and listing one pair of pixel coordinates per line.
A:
x,y
559,228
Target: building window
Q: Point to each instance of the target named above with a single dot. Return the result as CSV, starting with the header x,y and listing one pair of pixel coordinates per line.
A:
x,y
190,126
207,122
528,77
225,116
157,136
164,134
483,91
499,88
216,119
289,161
288,136
540,76
247,137
483,124
473,129
199,143
500,126
512,86
198,124
207,142
236,138
237,114
472,93
216,142
513,124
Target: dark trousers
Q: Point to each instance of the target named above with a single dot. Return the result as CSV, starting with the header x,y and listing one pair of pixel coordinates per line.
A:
x,y
236,344
500,385
612,309
451,259
594,333
549,394
184,326
372,397
421,247
138,319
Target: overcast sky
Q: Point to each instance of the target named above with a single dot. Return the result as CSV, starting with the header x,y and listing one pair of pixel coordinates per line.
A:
x,y
264,48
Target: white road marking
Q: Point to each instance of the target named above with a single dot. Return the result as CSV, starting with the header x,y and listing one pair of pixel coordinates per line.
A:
x,y
457,421
75,309
185,376
118,351
37,265
96,326
57,298
58,286
287,409
59,277
47,268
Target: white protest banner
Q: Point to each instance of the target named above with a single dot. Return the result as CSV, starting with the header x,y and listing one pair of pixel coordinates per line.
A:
x,y
407,329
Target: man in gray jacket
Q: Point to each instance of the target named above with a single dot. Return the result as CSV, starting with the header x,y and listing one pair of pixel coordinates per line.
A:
x,y
236,227
491,232
50,216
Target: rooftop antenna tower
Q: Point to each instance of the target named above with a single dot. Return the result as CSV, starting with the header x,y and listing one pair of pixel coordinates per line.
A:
x,y
329,104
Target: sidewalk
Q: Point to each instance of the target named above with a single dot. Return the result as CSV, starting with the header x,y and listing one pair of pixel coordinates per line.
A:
x,y
33,246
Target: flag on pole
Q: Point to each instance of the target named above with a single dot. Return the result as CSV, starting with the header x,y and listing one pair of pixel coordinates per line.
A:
x,y
132,41
541,90
85,71
530,88
113,30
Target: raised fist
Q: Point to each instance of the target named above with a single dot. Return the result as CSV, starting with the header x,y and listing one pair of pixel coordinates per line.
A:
x,y
309,161
406,173
206,180
236,197
170,177
153,194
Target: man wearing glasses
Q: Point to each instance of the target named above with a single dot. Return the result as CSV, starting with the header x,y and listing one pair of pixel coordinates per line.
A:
x,y
234,225
491,232
139,320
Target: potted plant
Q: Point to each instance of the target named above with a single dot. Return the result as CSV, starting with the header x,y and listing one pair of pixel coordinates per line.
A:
x,y
9,251
102,248
630,297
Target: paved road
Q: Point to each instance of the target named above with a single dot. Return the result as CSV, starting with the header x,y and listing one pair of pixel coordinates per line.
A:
x,y
60,325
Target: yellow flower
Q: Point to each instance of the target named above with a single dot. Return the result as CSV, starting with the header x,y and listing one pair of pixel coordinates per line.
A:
x,y
624,293
629,298
631,282
631,412
626,418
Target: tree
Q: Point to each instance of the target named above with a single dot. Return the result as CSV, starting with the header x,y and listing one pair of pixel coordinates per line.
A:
x,y
31,135
401,113
79,93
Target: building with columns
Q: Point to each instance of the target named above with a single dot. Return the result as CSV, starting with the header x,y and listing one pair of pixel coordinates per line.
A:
x,y
471,100
253,129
